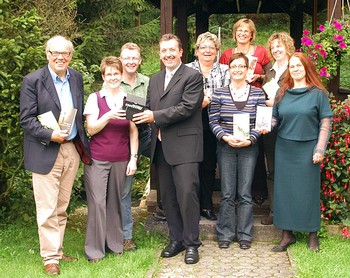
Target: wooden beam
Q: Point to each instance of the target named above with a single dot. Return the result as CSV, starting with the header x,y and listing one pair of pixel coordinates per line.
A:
x,y
166,16
296,25
182,33
202,22
333,9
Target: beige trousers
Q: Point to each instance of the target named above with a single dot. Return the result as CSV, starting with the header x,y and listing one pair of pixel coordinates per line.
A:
x,y
52,194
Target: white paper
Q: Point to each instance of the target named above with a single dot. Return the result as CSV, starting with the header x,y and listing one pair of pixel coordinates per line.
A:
x,y
263,118
241,128
251,68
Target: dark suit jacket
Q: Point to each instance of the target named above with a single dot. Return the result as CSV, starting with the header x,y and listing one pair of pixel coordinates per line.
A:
x,y
177,111
38,95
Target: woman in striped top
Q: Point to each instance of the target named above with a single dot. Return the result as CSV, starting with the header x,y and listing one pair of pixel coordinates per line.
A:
x,y
232,119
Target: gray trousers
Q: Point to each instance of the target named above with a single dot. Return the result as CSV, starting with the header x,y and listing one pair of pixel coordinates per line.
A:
x,y
104,183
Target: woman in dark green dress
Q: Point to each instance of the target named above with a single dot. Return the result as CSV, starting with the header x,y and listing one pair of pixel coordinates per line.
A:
x,y
304,119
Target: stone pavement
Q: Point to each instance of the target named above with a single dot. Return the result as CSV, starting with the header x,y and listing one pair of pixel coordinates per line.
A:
x,y
258,261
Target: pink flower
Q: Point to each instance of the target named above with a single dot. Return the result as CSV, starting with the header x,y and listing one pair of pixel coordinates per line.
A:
x,y
307,41
318,46
323,72
306,32
342,45
321,28
337,25
323,54
338,38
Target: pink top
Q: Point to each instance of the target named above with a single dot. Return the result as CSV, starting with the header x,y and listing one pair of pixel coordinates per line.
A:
x,y
112,142
260,52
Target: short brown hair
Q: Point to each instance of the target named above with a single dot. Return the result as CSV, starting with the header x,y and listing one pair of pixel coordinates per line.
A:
x,y
168,37
239,55
111,61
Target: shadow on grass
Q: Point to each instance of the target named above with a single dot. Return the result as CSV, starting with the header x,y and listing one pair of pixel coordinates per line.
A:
x,y
20,254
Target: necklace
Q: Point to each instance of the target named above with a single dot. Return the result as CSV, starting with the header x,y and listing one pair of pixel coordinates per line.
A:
x,y
237,50
239,94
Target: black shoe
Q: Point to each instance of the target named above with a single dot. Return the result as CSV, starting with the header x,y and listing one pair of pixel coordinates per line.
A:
x,y
282,248
224,244
208,214
244,244
191,256
159,214
173,248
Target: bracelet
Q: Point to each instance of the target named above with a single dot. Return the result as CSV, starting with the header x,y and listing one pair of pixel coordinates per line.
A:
x,y
134,155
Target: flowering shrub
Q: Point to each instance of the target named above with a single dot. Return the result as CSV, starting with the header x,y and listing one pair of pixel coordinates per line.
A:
x,y
326,47
335,170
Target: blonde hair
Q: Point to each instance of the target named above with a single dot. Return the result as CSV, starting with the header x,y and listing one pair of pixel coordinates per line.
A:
x,y
210,37
111,61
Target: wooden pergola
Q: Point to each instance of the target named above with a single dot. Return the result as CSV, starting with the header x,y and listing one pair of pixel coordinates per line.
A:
x,y
182,9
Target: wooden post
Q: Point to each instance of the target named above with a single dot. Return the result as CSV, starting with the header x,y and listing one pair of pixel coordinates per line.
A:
x,y
181,13
166,16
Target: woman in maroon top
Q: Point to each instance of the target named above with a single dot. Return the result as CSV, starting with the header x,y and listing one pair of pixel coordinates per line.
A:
x,y
114,146
244,33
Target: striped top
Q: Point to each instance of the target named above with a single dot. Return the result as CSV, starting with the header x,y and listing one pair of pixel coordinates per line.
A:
x,y
223,108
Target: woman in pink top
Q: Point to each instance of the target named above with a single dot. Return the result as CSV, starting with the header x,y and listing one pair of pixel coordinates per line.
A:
x,y
244,34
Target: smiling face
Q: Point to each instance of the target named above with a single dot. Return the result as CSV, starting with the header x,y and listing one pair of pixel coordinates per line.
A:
x,y
206,52
278,50
297,69
59,54
112,77
243,34
238,70
131,60
170,54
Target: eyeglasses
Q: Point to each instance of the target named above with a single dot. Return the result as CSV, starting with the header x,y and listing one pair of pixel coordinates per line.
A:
x,y
243,31
56,54
204,48
240,67
132,59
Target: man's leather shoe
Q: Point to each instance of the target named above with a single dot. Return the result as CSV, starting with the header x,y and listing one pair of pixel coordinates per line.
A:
x,y
282,248
268,220
68,258
191,255
224,244
173,248
52,269
208,214
244,244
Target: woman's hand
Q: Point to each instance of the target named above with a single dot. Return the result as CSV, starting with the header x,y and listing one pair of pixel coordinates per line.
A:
x,y
235,142
317,158
115,114
132,166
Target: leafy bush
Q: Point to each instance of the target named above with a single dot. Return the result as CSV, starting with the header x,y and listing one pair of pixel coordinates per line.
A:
x,y
335,170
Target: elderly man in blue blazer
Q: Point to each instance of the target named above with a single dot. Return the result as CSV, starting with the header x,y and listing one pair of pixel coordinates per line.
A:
x,y
51,154
174,98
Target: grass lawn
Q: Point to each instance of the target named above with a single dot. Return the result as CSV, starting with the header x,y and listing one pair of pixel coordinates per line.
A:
x,y
19,253
333,261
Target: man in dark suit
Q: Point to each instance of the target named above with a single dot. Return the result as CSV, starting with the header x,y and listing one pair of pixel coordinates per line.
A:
x,y
49,153
177,145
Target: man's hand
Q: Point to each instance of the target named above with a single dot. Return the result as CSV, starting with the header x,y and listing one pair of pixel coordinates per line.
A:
x,y
143,117
59,136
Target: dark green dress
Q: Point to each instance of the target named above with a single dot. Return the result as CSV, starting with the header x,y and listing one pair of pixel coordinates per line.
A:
x,y
297,179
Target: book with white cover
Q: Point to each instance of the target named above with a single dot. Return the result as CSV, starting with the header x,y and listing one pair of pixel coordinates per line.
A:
x,y
271,88
263,118
241,128
48,120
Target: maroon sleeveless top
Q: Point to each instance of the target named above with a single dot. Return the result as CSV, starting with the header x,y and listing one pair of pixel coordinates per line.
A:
x,y
112,142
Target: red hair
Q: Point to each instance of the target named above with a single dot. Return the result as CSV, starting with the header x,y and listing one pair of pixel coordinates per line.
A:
x,y
311,76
